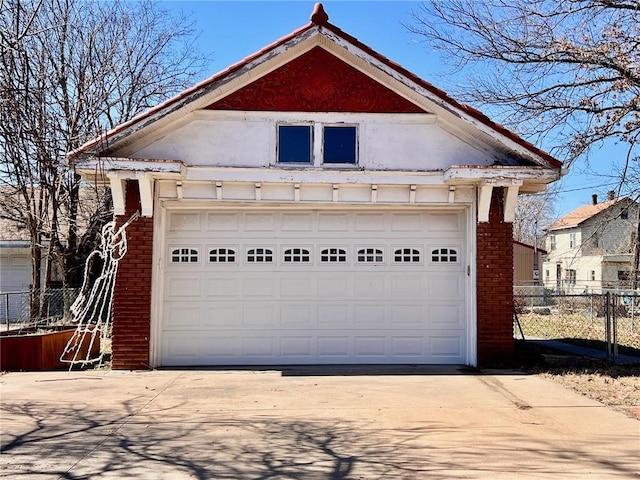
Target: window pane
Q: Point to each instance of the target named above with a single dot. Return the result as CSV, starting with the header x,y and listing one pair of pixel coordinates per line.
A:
x,y
339,145
294,144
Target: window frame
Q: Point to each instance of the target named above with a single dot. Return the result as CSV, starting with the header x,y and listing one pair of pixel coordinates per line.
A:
x,y
450,251
190,248
377,250
310,127
345,126
234,248
317,133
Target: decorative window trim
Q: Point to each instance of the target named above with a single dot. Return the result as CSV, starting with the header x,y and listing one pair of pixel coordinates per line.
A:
x,y
259,255
406,254
296,255
224,254
444,254
181,254
333,255
370,255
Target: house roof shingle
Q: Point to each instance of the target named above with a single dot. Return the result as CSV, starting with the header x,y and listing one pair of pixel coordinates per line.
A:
x,y
581,214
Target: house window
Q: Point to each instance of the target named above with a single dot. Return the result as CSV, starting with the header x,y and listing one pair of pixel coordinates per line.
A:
x,y
624,214
552,242
571,277
592,275
339,144
444,255
406,255
623,276
259,255
317,144
333,255
222,255
184,255
297,255
546,275
370,255
572,240
294,143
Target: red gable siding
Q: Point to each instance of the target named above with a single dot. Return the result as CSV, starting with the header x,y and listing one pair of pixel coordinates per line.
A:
x,y
317,81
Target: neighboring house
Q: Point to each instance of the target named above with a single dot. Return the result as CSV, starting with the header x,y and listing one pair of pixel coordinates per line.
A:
x,y
314,203
527,262
591,248
15,258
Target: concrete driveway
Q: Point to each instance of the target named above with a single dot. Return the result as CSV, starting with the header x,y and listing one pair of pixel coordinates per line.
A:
x,y
310,423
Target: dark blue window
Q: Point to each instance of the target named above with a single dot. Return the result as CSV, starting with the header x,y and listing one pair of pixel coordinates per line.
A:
x,y
294,144
339,145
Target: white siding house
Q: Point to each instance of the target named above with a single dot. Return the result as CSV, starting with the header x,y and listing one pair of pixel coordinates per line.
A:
x,y
591,248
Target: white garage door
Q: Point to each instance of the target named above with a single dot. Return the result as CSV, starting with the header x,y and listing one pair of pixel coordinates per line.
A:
x,y
259,287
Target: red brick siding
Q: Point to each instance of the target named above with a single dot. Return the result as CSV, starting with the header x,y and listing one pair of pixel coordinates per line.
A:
x,y
132,294
495,286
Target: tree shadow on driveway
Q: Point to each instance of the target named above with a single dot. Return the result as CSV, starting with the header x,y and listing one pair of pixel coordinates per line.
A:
x,y
41,440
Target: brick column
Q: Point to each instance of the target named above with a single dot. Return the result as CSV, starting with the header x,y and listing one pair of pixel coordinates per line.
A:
x,y
132,293
495,286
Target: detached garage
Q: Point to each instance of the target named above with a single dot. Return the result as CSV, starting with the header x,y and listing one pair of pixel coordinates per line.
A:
x,y
314,204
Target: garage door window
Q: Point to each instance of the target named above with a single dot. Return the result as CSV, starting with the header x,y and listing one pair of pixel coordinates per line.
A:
x,y
444,255
333,255
184,255
370,255
259,255
297,255
406,255
222,255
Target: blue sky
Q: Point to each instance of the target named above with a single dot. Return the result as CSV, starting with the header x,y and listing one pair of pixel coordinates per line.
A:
x,y
231,30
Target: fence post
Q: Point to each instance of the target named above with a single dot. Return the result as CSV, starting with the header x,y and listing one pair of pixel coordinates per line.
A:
x,y
6,309
615,326
607,314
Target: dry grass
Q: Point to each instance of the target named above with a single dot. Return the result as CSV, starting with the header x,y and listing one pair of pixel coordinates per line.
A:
x,y
617,386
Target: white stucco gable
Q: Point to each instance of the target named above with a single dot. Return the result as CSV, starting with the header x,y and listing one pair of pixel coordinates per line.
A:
x,y
227,122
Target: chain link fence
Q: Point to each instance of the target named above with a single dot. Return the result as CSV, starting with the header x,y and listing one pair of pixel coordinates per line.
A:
x,y
607,321
28,308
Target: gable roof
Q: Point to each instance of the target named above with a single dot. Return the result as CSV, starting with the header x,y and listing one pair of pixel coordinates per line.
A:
x,y
582,214
318,25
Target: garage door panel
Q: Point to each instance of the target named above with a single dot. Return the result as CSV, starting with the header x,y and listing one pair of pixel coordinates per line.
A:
x,y
407,346
258,346
260,315
370,346
258,285
335,346
297,315
369,285
334,315
408,316
223,286
180,316
180,287
446,346
406,285
298,346
446,315
392,304
337,285
223,222
296,286
445,286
